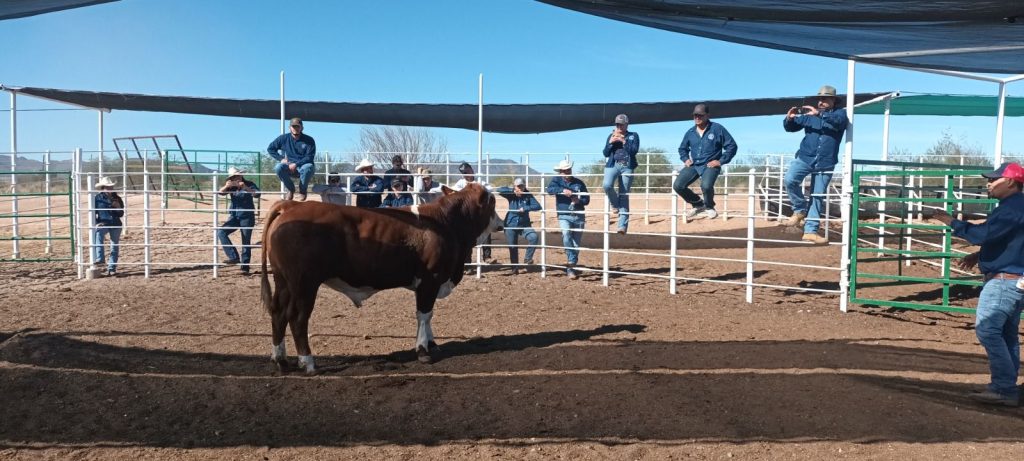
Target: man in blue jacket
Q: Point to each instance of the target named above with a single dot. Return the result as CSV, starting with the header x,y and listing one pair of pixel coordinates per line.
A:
x,y
517,222
299,153
571,199
1001,259
398,197
705,148
620,151
823,127
109,208
368,186
241,217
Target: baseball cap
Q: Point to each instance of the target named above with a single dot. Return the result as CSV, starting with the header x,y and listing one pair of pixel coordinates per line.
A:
x,y
465,167
518,182
621,119
1007,170
296,121
700,109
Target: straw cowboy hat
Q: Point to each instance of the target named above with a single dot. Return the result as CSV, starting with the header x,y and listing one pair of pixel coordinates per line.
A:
x,y
232,172
564,165
365,163
105,182
826,90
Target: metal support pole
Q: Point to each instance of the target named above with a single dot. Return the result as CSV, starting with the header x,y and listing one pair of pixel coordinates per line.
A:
x,y
76,206
216,223
163,186
884,179
15,251
607,213
49,204
480,125
750,236
1000,117
673,231
847,191
647,190
284,128
99,167
145,216
90,272
725,194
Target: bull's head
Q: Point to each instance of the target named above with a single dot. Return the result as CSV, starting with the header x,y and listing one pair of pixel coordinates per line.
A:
x,y
480,206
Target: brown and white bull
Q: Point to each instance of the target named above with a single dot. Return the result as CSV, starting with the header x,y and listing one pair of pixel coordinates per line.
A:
x,y
360,251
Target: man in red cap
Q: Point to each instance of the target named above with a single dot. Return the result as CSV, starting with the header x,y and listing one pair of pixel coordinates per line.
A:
x,y
1001,259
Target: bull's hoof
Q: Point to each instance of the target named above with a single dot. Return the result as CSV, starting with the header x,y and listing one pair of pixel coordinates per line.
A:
x,y
423,355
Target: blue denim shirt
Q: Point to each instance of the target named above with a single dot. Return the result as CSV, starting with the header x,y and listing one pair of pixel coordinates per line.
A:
x,y
715,144
822,138
395,201
526,201
373,184
242,204
106,213
625,150
1001,237
299,151
564,204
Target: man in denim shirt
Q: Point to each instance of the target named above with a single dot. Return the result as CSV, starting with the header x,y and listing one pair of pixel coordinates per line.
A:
x,y
109,209
705,148
299,153
571,199
398,197
517,222
823,127
368,186
620,149
241,216
1001,259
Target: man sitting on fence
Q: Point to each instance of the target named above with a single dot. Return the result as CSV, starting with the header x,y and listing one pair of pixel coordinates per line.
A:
x,y
241,216
299,153
332,192
1001,259
368,186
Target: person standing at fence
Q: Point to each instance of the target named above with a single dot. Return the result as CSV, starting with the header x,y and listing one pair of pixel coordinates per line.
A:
x,y
1001,260
109,209
425,190
398,197
469,176
517,221
823,126
620,150
299,154
571,199
241,217
332,192
399,172
367,187
706,146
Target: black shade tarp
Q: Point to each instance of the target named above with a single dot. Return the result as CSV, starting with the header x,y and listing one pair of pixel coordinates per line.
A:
x,y
971,36
498,118
11,9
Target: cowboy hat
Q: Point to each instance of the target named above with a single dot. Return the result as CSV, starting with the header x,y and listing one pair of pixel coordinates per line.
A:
x,y
232,172
105,182
826,90
564,165
365,163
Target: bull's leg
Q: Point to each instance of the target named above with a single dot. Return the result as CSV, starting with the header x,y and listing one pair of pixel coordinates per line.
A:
x,y
425,298
299,322
279,322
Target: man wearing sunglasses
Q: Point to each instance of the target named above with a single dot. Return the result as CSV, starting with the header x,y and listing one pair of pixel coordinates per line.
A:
x,y
299,152
1001,260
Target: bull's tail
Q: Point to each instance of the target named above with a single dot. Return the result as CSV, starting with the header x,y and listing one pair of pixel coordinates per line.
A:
x,y
266,295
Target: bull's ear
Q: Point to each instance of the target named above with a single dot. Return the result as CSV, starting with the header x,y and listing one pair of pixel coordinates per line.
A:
x,y
446,190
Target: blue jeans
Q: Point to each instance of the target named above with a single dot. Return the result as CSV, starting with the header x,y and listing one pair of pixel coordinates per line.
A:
x,y
996,323
115,239
305,174
570,236
512,236
624,176
815,207
244,225
707,176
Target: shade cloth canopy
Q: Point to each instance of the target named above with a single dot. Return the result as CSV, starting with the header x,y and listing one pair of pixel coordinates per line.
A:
x,y
12,9
945,104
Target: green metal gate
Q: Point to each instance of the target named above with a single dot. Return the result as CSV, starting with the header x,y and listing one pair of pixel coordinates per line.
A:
x,y
34,213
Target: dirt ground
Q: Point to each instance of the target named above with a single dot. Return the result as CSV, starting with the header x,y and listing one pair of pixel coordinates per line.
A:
x,y
177,366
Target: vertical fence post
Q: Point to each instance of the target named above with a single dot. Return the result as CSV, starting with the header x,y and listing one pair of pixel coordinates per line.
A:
x,y
647,190
216,223
49,204
145,216
76,205
750,236
15,250
163,186
782,185
604,254
543,230
90,272
725,195
673,228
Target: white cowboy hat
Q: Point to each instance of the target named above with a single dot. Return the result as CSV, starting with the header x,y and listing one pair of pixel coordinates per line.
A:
x,y
363,164
105,182
235,172
564,165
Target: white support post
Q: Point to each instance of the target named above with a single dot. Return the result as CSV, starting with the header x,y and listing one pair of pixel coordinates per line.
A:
x,y
543,233
76,205
750,236
782,184
124,192
607,213
480,125
15,251
163,187
725,195
847,191
1000,117
884,179
145,216
673,231
284,127
90,272
216,223
49,204
99,167
647,191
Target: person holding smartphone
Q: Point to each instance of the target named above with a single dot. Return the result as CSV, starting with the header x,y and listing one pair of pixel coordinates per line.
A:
x,y
241,217
620,150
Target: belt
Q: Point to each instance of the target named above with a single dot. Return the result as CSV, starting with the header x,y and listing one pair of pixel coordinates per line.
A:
x,y
1003,276
622,162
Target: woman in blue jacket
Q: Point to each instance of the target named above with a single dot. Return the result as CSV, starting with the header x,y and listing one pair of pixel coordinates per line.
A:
x,y
109,209
517,221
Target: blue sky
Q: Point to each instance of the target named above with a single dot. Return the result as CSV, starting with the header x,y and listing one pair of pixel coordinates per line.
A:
x,y
429,52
